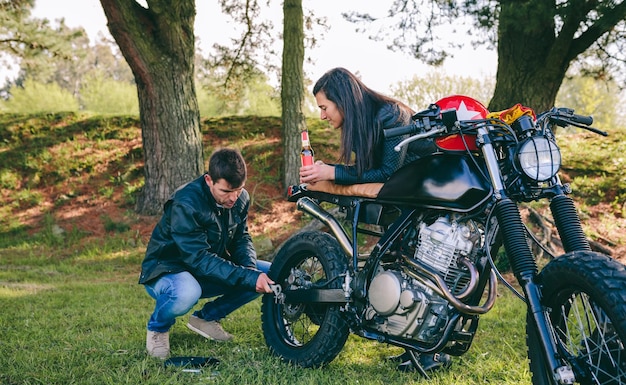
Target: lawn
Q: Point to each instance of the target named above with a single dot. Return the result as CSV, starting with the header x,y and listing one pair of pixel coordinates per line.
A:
x,y
75,315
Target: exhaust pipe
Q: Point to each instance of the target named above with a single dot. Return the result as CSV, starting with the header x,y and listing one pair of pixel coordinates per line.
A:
x,y
307,205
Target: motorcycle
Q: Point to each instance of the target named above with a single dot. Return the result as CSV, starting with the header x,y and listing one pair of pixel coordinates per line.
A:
x,y
438,225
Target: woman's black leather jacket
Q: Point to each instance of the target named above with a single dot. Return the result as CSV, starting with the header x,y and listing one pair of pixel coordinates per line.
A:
x,y
391,160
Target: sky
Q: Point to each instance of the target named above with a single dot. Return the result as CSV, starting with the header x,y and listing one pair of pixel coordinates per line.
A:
x,y
340,46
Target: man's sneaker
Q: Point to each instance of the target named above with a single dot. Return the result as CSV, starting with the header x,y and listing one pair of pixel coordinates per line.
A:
x,y
158,344
208,329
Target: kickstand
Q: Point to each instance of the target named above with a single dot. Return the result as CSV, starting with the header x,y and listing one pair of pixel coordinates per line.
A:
x,y
416,363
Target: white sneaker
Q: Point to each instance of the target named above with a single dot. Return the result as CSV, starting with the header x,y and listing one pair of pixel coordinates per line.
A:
x,y
208,329
158,344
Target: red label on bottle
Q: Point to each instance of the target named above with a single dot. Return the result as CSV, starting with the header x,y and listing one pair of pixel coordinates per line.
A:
x,y
307,152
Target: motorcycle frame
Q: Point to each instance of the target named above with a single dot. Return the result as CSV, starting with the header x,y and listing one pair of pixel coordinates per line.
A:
x,y
363,274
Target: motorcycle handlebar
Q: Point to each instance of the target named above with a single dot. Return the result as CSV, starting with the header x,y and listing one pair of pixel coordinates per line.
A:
x,y
411,129
426,123
571,117
566,116
560,116
586,120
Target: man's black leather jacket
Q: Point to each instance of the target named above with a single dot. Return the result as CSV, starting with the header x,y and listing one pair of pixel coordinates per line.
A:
x,y
197,236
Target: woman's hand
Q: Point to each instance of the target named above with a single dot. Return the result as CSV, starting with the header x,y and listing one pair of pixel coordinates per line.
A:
x,y
317,172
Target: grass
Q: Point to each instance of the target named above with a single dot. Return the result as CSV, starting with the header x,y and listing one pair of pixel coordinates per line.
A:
x,y
596,166
79,318
71,247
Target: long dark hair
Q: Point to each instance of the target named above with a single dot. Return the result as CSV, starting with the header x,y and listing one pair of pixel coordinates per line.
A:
x,y
361,131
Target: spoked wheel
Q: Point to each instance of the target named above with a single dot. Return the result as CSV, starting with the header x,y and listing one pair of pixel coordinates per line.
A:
x,y
306,334
585,294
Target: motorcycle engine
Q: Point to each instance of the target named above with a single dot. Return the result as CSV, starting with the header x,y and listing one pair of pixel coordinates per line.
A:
x,y
402,305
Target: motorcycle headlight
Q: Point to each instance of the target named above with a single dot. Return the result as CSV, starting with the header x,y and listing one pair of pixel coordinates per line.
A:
x,y
539,158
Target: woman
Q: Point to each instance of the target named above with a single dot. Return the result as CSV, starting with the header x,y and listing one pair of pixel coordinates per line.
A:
x,y
362,114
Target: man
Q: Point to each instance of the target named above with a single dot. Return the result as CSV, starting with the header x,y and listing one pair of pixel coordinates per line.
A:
x,y
201,248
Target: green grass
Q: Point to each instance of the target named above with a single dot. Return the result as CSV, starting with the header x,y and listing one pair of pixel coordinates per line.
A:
x,y
596,166
78,317
51,161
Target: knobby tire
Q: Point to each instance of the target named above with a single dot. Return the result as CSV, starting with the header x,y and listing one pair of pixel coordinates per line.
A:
x,y
585,294
307,335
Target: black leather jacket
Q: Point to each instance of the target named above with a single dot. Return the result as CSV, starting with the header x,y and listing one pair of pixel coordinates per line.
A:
x,y
391,160
209,242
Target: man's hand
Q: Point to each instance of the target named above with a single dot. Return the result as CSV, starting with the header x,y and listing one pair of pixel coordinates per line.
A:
x,y
263,284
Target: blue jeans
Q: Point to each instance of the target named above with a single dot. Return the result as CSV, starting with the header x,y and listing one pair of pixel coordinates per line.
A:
x,y
176,294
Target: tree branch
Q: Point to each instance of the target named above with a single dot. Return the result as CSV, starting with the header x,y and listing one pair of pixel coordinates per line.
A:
x,y
606,23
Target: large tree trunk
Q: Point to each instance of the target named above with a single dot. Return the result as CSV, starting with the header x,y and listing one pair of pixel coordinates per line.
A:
x,y
529,71
292,89
534,53
158,44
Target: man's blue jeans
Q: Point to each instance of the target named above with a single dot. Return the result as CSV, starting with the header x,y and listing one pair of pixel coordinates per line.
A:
x,y
176,294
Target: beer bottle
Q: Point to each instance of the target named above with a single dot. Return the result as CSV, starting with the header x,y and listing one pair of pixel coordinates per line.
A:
x,y
306,154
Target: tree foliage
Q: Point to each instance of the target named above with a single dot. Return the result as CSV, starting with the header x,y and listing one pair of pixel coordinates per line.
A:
x,y
252,50
537,40
250,96
35,97
420,91
97,75
104,95
32,42
51,55
587,97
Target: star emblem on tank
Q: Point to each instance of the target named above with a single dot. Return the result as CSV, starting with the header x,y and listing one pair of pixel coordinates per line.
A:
x,y
463,113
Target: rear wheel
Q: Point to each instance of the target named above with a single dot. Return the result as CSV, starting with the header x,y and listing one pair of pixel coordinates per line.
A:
x,y
308,335
585,295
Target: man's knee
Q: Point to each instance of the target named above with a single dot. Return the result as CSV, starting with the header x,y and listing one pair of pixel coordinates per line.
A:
x,y
183,292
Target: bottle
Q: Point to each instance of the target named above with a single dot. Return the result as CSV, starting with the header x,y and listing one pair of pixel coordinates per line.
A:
x,y
306,154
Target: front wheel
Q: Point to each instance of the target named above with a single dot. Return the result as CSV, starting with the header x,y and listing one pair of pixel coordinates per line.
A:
x,y
585,296
306,334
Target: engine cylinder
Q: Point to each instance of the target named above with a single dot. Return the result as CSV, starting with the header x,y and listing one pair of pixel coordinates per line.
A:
x,y
440,246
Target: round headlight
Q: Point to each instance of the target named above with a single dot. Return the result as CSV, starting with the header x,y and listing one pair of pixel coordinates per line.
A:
x,y
539,158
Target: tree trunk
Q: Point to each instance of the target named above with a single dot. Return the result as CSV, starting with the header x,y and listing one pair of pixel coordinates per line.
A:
x,y
292,89
534,53
528,70
158,44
